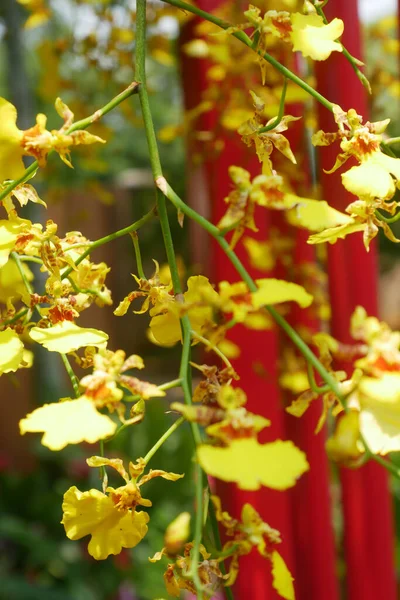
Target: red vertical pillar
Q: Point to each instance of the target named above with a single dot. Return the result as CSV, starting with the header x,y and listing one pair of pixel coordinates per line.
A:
x,y
302,515
258,363
368,520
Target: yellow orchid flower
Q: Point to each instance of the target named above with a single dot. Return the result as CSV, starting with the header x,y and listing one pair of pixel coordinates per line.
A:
x,y
36,141
376,174
313,38
95,514
176,576
252,532
110,518
378,402
265,142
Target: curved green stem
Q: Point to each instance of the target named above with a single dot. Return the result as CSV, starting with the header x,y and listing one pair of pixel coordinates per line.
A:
x,y
82,124
185,370
351,59
211,346
138,255
109,238
26,258
17,316
198,533
71,374
163,439
15,256
394,140
381,217
313,384
279,320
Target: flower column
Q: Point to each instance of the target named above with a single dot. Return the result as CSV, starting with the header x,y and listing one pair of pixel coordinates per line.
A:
x,y
352,279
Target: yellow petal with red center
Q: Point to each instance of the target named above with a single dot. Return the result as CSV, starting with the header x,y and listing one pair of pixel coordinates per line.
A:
x,y
315,215
380,412
250,464
11,351
68,337
68,422
11,165
313,38
282,580
93,513
369,180
275,291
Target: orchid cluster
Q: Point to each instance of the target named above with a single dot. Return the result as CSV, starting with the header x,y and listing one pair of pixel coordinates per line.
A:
x,y
363,400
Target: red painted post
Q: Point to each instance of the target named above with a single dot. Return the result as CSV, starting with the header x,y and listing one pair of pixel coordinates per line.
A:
x,y
368,519
304,515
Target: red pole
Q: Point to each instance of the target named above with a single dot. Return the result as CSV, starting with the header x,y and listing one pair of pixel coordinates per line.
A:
x,y
368,520
304,515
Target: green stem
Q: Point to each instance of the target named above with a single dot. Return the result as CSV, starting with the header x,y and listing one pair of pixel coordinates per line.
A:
x,y
17,316
351,59
164,386
102,469
138,255
278,119
242,37
26,258
394,140
79,125
72,376
109,238
381,217
211,346
198,533
313,384
163,439
185,371
24,278
279,320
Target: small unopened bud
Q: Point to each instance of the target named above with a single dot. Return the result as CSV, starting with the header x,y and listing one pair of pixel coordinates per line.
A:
x,y
344,446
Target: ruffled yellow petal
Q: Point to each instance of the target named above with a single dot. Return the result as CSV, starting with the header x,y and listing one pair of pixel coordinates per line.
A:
x,y
313,38
68,422
334,233
316,215
68,337
11,283
9,231
380,412
282,580
275,291
11,351
93,513
369,180
11,165
166,329
250,464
